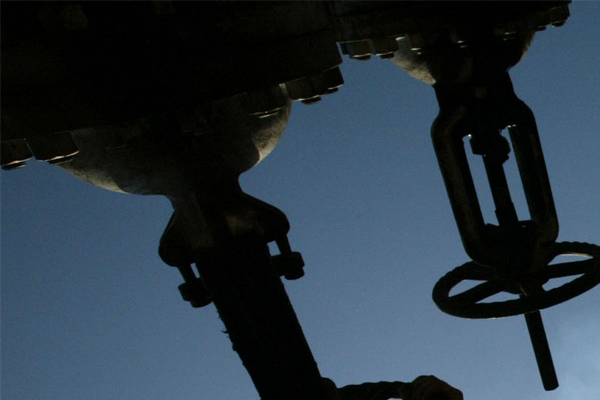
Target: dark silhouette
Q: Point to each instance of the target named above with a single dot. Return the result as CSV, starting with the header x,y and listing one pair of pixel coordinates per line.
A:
x,y
169,120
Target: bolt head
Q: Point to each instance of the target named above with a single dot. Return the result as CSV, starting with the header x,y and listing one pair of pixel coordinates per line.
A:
x,y
311,100
13,166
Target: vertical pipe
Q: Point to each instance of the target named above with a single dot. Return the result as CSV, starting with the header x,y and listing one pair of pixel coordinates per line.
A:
x,y
261,322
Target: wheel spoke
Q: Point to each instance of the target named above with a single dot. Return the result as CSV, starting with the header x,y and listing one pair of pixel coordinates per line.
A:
x,y
568,269
480,292
477,272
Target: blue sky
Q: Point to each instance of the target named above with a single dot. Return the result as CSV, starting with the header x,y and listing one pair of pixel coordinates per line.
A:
x,y
89,311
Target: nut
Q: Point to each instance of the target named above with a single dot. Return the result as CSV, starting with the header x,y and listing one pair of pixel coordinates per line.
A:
x,y
15,154
385,47
265,102
559,15
417,42
360,50
310,89
54,148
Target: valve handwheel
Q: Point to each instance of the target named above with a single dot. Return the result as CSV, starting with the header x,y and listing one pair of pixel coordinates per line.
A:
x,y
469,303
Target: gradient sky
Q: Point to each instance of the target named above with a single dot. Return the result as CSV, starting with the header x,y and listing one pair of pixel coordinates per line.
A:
x,y
89,311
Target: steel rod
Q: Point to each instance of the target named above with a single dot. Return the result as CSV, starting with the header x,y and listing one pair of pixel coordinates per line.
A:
x,y
541,349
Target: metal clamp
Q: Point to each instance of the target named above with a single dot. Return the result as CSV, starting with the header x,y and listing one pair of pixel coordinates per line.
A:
x,y
481,113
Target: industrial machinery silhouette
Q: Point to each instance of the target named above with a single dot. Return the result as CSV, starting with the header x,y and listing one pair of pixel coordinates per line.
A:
x,y
180,98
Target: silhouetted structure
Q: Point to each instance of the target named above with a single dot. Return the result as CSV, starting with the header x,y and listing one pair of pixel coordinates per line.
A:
x,y
180,98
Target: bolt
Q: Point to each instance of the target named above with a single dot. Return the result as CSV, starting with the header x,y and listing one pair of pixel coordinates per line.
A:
x,y
55,148
344,48
268,114
385,47
265,102
506,31
295,266
195,292
14,154
360,49
332,79
312,100
310,89
60,160
459,38
559,15
542,19
14,165
300,89
288,263
417,42
193,289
